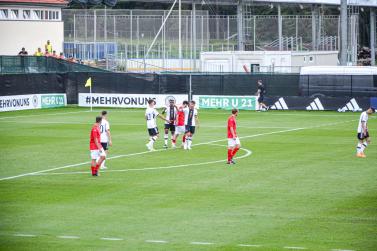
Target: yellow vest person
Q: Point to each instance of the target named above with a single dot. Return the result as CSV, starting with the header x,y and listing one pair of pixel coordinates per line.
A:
x,y
48,46
38,53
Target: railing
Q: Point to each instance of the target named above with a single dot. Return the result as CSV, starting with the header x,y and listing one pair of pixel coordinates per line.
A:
x,y
33,64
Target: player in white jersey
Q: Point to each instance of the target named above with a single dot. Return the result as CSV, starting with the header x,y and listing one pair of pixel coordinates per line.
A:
x,y
191,121
171,115
105,136
150,115
362,132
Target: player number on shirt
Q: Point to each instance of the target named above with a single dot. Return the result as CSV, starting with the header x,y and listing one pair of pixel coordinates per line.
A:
x,y
150,116
102,128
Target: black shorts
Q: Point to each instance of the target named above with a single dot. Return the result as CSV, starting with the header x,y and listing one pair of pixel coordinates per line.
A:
x,y
153,131
260,99
361,136
190,129
170,127
105,146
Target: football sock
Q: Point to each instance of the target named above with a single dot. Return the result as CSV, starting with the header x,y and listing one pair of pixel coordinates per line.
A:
x,y
173,140
189,141
184,138
230,154
103,163
93,168
364,145
235,150
96,168
166,137
358,148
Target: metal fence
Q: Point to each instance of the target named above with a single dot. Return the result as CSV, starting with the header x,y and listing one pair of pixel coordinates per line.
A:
x,y
33,64
134,30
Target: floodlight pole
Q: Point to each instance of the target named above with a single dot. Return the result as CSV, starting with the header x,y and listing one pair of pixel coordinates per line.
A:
x,y
373,36
180,33
343,32
158,33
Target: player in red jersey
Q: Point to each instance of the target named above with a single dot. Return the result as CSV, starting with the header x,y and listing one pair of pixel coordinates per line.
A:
x,y
179,123
96,149
234,143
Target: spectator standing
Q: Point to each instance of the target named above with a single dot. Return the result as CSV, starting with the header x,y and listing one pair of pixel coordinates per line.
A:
x,y
47,53
54,55
38,53
48,47
23,52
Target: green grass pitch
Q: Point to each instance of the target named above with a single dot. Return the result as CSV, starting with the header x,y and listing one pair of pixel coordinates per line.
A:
x,y
301,188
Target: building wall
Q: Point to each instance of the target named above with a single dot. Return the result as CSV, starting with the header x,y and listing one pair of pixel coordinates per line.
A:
x,y
315,58
31,35
267,61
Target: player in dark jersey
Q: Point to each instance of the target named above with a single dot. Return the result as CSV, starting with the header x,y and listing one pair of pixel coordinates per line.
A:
x,y
260,93
171,116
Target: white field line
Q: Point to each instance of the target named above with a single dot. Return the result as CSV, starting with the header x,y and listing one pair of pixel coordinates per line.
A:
x,y
38,115
68,237
156,241
249,245
25,235
201,243
111,239
342,250
140,153
296,248
248,153
141,124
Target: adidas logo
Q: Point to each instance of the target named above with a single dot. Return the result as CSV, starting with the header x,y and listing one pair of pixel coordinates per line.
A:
x,y
316,105
352,105
279,105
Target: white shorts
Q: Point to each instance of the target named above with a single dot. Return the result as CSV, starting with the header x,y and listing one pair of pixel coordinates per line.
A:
x,y
233,142
94,154
179,130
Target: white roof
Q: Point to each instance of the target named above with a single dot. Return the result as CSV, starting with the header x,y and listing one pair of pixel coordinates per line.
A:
x,y
331,2
338,70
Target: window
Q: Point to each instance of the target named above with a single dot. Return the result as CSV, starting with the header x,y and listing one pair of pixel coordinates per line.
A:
x,y
311,59
13,14
50,15
46,14
57,15
304,59
35,15
26,14
3,14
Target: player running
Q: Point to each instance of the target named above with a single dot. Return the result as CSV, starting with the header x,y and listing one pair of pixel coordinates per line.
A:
x,y
180,123
362,132
105,136
234,143
171,115
96,150
191,120
150,115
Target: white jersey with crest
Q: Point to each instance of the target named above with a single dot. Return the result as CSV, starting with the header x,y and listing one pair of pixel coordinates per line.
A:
x,y
167,110
363,119
151,115
187,112
104,127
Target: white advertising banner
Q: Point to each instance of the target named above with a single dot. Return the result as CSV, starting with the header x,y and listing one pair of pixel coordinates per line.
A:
x,y
127,100
32,101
